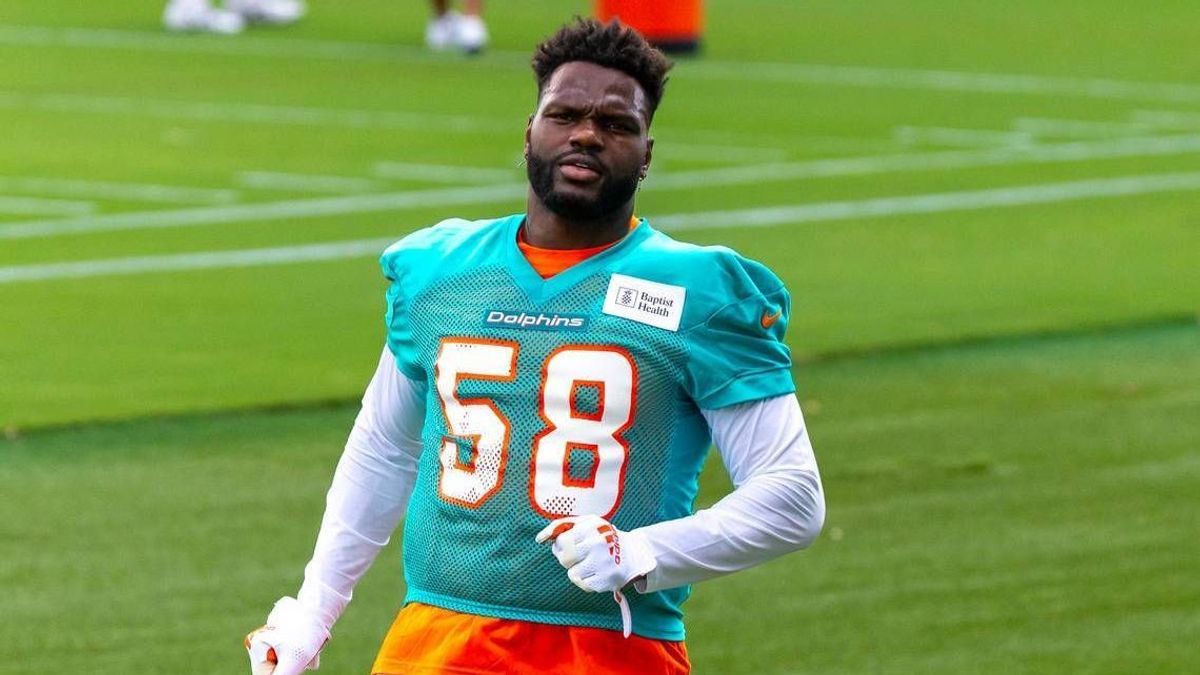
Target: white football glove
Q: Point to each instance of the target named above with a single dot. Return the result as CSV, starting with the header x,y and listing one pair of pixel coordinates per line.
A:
x,y
289,644
598,557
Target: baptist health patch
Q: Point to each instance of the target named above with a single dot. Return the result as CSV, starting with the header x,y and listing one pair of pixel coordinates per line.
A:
x,y
648,302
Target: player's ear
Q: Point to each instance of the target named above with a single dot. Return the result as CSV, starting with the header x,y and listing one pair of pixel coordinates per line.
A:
x,y
649,154
528,132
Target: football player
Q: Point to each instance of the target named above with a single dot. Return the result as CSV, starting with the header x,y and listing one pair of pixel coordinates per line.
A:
x,y
551,384
202,16
449,29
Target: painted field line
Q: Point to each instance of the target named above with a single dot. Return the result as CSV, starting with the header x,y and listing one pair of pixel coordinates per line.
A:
x,y
196,261
943,80
34,206
300,208
1043,126
685,180
1025,195
970,138
1168,119
749,143
718,154
289,209
798,73
1050,153
211,111
938,202
301,182
444,173
134,192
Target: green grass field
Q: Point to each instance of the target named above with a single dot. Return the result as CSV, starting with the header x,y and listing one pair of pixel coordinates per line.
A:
x,y
987,215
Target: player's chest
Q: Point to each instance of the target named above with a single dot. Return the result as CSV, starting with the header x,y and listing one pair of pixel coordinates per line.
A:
x,y
562,388
607,333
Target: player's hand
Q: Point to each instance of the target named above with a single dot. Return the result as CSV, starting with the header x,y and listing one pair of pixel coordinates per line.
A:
x,y
289,644
596,555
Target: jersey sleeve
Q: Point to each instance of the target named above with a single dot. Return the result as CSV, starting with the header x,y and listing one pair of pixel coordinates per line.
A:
x,y
736,352
400,340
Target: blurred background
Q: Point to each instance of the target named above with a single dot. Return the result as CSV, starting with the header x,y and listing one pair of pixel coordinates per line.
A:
x,y
988,215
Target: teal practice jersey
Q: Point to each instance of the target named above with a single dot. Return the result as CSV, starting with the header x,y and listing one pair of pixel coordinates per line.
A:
x,y
578,394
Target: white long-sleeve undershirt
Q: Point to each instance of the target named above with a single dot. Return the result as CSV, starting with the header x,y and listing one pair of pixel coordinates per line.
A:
x,y
370,489
777,505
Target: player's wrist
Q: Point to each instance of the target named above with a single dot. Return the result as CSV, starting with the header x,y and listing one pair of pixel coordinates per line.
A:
x,y
639,556
321,603
292,612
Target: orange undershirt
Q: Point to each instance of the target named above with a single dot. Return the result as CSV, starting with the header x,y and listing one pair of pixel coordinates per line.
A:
x,y
550,261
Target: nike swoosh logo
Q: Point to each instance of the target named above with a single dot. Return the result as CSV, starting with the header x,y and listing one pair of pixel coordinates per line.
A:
x,y
769,320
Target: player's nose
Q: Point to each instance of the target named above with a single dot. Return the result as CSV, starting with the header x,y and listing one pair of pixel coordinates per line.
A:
x,y
586,134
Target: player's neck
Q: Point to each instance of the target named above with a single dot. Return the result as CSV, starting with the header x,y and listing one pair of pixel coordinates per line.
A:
x,y
546,229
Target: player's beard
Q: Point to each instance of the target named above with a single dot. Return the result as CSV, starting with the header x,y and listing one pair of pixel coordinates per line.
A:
x,y
616,189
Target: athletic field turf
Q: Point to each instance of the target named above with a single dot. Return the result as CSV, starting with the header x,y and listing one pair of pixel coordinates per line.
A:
x,y
988,217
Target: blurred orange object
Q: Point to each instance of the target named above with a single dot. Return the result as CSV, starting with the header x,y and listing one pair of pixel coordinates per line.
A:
x,y
674,26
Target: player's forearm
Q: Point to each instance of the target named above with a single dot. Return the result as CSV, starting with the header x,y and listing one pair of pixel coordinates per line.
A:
x,y
778,505
365,503
369,493
766,517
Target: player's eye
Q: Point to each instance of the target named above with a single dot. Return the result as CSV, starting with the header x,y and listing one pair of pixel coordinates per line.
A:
x,y
621,126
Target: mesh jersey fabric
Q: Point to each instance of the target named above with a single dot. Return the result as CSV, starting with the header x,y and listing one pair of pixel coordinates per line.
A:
x,y
728,349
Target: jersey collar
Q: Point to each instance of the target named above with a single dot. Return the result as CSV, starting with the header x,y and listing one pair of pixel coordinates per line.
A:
x,y
539,289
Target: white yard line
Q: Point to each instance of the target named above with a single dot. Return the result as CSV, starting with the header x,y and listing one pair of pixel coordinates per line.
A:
x,y
1024,195
944,80
798,73
443,173
213,111
285,255
937,202
687,180
33,206
134,192
301,182
969,138
1050,153
1168,119
717,154
1044,126
291,209
750,142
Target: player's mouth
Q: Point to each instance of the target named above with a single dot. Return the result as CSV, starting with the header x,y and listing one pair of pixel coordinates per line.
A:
x,y
580,169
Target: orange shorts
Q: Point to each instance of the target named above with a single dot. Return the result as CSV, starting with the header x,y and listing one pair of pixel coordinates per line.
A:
x,y
426,640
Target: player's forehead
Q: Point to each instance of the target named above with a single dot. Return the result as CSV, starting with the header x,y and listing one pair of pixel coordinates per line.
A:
x,y
581,83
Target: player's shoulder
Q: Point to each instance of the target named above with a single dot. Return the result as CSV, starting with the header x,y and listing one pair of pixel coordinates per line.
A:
x,y
695,264
713,276
444,237
454,243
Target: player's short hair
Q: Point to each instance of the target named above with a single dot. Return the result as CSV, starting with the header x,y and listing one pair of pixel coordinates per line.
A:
x,y
610,45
